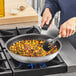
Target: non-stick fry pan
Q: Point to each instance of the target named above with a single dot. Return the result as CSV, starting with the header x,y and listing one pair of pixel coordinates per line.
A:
x,y
25,59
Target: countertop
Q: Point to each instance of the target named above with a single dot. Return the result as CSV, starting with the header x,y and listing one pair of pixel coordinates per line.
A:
x,y
27,15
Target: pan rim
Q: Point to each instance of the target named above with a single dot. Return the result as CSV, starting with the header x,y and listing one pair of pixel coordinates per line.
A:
x,y
28,35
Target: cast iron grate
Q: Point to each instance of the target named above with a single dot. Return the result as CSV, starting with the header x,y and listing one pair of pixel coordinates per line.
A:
x,y
5,69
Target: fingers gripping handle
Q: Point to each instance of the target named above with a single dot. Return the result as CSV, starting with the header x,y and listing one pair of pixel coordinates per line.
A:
x,y
45,27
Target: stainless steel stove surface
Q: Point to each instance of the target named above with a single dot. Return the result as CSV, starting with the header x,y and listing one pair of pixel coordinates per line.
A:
x,y
9,66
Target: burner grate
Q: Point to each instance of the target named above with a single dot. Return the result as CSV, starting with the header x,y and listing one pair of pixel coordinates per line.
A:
x,y
7,34
5,69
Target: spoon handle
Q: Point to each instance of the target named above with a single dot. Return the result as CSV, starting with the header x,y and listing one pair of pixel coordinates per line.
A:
x,y
58,37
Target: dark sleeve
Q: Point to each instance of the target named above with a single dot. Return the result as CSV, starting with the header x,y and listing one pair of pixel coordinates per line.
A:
x,y
53,5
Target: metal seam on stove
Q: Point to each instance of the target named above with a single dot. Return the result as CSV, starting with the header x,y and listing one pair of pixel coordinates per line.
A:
x,y
63,61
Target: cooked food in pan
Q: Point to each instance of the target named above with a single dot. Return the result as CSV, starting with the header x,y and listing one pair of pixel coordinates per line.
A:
x,y
31,48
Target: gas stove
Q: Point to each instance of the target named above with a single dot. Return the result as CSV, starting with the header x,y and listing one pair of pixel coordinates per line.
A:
x,y
11,67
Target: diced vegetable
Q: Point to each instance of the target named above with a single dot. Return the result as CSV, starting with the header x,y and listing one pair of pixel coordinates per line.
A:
x,y
32,48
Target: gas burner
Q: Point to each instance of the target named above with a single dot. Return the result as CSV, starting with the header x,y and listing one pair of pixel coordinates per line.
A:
x,y
29,65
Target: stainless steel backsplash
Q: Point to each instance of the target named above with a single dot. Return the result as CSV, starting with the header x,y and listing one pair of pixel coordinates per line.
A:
x,y
37,4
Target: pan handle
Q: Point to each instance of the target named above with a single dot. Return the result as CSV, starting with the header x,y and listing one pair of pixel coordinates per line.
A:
x,y
46,26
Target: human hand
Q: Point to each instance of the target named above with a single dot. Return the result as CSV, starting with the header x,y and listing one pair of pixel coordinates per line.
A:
x,y
47,16
68,28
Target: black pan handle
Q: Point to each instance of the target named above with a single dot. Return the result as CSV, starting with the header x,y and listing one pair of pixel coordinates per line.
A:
x,y
45,27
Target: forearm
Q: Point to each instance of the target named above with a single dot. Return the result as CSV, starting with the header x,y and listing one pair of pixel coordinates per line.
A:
x,y
73,20
52,5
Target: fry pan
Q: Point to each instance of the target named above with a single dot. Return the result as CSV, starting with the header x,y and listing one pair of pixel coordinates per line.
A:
x,y
25,59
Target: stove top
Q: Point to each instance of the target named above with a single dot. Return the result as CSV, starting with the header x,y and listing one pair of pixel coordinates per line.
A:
x,y
9,66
